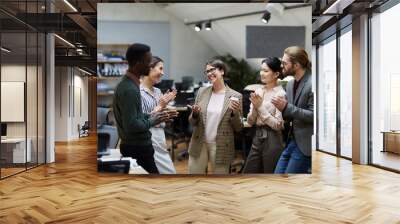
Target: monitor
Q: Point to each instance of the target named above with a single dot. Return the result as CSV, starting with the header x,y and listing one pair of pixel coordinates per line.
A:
x,y
187,82
183,98
3,129
165,85
178,86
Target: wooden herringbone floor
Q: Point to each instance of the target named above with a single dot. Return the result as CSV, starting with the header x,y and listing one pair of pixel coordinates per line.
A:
x,y
71,191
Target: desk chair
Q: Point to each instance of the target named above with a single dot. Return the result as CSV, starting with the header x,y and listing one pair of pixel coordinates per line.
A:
x,y
83,131
243,140
179,131
103,141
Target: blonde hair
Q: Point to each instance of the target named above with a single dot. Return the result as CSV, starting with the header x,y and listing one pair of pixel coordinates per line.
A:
x,y
299,55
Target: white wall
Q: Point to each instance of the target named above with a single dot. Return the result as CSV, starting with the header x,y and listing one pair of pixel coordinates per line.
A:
x,y
33,126
188,52
67,117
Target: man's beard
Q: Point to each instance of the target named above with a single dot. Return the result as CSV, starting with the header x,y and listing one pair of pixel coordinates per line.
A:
x,y
289,72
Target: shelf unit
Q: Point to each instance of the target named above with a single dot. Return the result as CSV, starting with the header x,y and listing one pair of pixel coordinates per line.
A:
x,y
105,93
112,62
105,97
108,77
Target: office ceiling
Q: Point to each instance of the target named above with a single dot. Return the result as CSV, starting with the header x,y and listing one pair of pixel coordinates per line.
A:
x,y
325,18
188,13
228,35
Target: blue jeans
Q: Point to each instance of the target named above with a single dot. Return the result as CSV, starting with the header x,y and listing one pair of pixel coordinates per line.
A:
x,y
292,160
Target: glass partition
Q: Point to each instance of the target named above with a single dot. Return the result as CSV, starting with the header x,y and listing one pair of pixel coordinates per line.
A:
x,y
22,90
346,93
327,96
385,89
14,145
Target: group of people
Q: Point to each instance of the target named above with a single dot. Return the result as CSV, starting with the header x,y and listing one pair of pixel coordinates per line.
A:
x,y
141,111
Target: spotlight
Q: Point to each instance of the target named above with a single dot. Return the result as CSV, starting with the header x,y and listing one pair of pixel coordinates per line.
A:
x,y
5,49
197,27
208,25
266,17
71,6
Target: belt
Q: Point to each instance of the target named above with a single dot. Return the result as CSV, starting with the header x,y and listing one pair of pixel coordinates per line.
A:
x,y
265,127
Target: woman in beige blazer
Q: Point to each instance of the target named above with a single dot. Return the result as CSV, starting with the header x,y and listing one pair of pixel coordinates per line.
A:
x,y
215,116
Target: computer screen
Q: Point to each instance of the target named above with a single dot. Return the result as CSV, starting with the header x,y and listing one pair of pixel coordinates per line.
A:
x,y
187,82
182,98
165,84
3,129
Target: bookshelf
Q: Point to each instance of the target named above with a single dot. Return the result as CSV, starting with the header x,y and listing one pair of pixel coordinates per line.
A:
x,y
111,66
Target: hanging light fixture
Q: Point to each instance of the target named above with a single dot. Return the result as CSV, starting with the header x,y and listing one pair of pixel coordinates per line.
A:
x,y
64,40
5,50
197,27
208,25
266,17
70,5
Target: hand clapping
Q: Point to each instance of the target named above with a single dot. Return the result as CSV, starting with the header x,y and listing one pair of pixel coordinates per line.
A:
x,y
166,98
256,100
165,115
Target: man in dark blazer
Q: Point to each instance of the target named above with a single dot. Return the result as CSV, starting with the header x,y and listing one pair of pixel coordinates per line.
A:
x,y
298,109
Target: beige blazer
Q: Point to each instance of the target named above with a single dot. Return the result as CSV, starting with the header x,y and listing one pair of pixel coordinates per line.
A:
x,y
227,125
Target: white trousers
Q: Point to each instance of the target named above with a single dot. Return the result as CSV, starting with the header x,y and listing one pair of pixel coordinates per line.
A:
x,y
200,165
161,155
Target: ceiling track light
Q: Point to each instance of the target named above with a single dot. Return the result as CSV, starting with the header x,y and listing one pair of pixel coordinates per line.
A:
x,y
65,41
208,25
70,5
84,71
197,27
266,16
5,50
338,6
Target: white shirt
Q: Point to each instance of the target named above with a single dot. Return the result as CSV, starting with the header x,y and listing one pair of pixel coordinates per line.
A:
x,y
267,113
214,110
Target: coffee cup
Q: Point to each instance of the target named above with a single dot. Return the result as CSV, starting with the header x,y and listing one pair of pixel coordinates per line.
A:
x,y
233,98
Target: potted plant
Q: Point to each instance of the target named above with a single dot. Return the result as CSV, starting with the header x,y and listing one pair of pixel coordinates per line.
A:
x,y
240,73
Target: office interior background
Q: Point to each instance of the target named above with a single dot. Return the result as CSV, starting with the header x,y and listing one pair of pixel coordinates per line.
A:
x,y
186,36
45,81
48,73
357,82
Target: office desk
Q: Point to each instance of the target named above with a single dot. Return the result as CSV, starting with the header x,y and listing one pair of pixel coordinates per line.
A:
x,y
115,157
391,141
13,150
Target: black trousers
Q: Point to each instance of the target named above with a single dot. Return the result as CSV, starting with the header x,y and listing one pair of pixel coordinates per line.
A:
x,y
265,151
144,156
